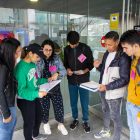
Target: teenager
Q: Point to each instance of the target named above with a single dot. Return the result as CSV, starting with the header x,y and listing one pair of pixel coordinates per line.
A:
x,y
52,67
9,52
78,56
28,91
114,78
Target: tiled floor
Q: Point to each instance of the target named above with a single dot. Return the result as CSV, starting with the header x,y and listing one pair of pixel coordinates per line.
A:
x,y
77,134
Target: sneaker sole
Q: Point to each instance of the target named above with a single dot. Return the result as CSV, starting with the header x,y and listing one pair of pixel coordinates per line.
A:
x,y
39,138
61,133
48,134
74,128
100,137
87,132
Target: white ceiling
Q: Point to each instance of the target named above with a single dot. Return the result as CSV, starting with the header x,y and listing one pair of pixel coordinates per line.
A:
x,y
97,8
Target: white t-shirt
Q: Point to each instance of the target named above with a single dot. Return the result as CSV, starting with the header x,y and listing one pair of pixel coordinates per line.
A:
x,y
109,59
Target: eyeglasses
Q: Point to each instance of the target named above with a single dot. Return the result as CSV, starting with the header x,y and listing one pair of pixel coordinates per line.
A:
x,y
46,50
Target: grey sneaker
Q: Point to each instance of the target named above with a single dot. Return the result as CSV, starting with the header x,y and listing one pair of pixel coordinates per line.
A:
x,y
103,134
40,137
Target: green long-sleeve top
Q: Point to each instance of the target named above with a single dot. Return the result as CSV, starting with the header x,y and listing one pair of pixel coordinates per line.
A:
x,y
26,76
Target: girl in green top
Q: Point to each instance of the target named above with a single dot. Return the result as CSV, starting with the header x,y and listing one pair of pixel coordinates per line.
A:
x,y
28,91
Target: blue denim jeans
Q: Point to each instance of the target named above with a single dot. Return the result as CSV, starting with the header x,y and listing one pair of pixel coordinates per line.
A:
x,y
84,99
7,129
132,112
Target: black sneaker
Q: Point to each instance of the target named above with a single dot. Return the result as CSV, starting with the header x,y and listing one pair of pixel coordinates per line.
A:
x,y
86,127
74,124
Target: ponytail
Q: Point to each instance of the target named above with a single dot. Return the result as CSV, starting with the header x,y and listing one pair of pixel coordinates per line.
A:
x,y
24,52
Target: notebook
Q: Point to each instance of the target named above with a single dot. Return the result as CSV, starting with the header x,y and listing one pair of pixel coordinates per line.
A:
x,y
92,86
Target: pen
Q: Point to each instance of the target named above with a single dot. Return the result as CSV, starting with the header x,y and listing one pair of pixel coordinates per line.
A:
x,y
49,81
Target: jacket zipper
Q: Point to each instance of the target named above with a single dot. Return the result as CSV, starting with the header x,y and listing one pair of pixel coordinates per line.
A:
x,y
0,106
4,92
5,89
1,112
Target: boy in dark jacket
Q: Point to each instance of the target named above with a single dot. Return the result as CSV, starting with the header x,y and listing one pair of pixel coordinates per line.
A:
x,y
115,69
78,61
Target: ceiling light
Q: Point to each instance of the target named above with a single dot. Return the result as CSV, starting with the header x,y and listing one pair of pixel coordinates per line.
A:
x,y
34,0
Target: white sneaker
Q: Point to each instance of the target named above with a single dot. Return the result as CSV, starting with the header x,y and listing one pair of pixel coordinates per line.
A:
x,y
62,129
47,129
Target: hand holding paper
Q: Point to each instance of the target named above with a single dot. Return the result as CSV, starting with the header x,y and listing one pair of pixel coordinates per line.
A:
x,y
69,72
42,94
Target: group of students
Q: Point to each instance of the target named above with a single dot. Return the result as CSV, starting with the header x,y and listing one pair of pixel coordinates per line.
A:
x,y
24,78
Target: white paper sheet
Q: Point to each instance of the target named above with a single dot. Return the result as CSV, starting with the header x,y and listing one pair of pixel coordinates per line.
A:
x,y
49,86
79,71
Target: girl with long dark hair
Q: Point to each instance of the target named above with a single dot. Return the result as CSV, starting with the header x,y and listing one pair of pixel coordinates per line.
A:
x,y
52,67
9,52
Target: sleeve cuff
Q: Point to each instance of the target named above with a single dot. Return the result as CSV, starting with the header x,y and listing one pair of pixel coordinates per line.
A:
x,y
60,72
6,115
90,68
36,94
138,114
44,80
108,87
98,69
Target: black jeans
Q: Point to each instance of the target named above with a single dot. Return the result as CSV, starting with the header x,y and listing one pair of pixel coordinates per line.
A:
x,y
111,110
32,116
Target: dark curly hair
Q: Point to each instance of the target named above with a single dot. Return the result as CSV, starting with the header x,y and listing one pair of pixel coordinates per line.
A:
x,y
49,42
